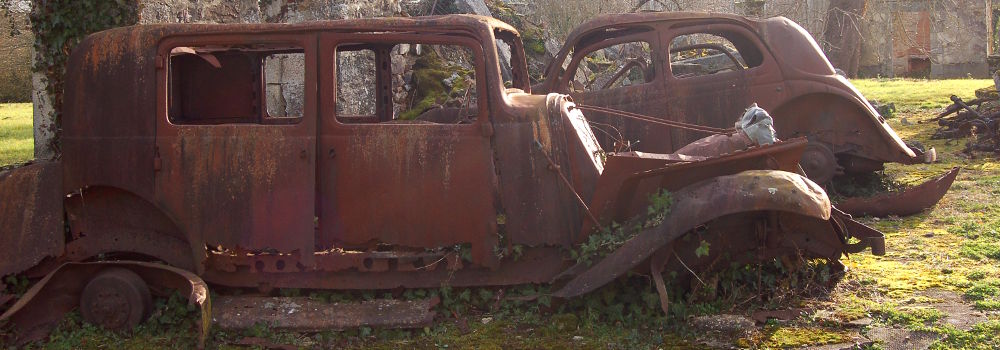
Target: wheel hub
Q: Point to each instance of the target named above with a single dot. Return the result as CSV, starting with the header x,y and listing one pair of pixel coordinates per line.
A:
x,y
819,163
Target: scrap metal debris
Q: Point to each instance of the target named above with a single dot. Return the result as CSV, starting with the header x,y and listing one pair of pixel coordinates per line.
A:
x,y
977,119
908,201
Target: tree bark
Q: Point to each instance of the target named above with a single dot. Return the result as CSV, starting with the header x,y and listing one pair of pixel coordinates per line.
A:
x,y
842,35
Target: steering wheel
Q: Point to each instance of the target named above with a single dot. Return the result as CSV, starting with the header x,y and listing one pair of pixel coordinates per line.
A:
x,y
631,63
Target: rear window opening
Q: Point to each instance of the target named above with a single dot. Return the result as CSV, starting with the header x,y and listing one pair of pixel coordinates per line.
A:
x,y
247,84
700,54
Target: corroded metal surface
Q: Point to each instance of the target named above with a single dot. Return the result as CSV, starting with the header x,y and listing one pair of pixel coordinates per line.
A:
x,y
784,72
31,217
909,201
305,314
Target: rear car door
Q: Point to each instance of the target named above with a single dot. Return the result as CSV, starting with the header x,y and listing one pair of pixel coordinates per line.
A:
x,y
621,72
236,140
405,164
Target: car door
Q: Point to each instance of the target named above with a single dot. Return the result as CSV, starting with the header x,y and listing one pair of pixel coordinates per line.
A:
x,y
236,140
405,164
716,71
622,72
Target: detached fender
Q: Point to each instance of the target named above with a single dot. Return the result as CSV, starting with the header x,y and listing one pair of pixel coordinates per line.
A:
x,y
754,190
31,216
41,308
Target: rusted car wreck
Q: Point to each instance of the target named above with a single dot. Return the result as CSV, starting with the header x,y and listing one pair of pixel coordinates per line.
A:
x,y
704,68
184,161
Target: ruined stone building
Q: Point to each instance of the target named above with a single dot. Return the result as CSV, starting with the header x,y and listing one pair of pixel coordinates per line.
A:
x,y
920,38
896,38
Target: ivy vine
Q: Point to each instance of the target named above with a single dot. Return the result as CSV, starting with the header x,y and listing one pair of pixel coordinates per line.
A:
x,y
59,25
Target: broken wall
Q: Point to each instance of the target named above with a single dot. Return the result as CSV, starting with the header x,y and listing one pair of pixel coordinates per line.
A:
x,y
926,38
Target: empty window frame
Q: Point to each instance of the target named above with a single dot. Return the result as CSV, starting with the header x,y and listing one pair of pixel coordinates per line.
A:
x,y
614,66
513,69
236,84
700,54
411,82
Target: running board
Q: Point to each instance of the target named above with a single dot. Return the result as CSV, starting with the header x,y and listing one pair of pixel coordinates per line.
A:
x,y
308,315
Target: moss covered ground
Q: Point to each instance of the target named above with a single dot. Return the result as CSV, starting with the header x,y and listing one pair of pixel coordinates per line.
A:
x,y
951,250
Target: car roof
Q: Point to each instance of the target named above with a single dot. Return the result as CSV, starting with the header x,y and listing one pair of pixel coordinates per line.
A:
x,y
433,24
627,19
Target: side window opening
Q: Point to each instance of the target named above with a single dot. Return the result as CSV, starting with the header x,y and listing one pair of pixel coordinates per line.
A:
x,y
356,84
615,66
416,83
284,76
510,49
240,84
700,54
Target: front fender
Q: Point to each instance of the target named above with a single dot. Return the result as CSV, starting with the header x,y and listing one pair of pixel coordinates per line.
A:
x,y
753,190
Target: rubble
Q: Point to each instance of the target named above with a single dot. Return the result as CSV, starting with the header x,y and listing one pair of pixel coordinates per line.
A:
x,y
977,119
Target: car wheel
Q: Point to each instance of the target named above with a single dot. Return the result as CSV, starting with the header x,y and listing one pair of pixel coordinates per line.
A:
x,y
116,299
819,163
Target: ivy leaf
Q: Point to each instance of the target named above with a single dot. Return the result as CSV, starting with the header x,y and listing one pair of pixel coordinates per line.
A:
x,y
702,249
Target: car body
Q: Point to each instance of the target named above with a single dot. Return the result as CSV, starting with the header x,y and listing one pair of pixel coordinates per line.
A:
x,y
773,62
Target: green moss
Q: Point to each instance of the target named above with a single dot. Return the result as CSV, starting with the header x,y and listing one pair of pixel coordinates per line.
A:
x,y
429,73
985,335
911,317
793,337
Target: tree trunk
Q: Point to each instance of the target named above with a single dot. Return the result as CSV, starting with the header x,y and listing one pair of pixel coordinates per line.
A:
x,y
842,35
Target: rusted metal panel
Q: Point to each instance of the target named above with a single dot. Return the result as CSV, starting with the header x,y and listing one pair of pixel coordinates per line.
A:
x,y
625,186
539,209
247,185
304,314
31,216
109,220
906,202
107,136
423,186
534,265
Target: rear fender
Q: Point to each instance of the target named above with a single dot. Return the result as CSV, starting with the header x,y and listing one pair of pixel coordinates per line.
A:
x,y
31,216
844,123
44,305
112,220
754,190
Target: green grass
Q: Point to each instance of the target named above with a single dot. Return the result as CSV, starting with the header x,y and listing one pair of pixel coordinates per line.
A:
x,y
919,93
16,140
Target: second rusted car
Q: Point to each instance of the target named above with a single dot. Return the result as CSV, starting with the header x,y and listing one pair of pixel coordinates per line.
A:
x,y
705,68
